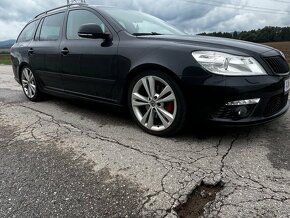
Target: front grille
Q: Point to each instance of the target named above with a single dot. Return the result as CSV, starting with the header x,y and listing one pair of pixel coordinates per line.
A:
x,y
277,64
275,104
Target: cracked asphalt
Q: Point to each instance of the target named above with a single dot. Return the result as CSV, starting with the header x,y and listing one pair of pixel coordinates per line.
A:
x,y
65,158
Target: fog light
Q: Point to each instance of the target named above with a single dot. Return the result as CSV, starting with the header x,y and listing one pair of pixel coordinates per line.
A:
x,y
242,111
244,102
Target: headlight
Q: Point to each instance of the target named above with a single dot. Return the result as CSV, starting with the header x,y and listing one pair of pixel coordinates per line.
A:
x,y
227,64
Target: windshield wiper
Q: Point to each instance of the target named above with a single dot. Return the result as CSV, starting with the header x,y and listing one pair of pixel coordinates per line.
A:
x,y
147,34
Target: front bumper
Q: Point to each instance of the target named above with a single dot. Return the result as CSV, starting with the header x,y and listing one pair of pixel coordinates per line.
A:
x,y
207,98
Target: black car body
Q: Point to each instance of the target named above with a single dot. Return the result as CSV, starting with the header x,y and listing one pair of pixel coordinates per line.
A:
x,y
103,69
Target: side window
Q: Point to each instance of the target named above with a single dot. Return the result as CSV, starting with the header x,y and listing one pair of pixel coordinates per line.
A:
x,y
51,27
77,18
28,32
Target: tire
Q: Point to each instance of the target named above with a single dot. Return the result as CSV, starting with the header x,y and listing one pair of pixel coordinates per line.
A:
x,y
30,85
162,113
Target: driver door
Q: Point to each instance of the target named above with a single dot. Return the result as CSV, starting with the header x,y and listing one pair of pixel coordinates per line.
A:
x,y
88,65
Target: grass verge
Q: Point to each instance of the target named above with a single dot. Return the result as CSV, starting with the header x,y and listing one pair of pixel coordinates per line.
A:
x,y
5,59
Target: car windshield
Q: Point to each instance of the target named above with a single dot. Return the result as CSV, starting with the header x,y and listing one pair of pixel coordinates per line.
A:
x,y
138,23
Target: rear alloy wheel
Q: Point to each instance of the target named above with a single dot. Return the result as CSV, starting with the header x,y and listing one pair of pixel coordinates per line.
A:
x,y
157,104
29,84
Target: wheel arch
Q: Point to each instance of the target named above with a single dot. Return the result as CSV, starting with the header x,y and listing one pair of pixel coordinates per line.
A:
x,y
141,68
21,66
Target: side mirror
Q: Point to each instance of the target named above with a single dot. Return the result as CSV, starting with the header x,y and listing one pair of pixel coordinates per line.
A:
x,y
93,31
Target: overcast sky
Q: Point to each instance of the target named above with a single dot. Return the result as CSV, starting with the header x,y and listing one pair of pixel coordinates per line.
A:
x,y
192,16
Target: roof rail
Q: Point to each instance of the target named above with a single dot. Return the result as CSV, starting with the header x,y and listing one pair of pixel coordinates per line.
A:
x,y
58,8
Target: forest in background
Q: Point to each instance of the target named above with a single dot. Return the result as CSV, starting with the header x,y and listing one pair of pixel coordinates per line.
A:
x,y
267,34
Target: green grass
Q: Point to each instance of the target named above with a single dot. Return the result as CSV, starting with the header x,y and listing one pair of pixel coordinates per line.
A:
x,y
5,59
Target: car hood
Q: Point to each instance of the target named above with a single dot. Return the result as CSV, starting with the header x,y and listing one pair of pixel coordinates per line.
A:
x,y
214,43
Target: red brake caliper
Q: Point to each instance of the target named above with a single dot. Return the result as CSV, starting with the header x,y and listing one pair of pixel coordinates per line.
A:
x,y
169,106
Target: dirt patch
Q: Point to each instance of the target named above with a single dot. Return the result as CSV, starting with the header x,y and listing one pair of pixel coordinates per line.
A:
x,y
194,207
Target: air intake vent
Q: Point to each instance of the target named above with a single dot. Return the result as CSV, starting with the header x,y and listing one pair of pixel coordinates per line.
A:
x,y
276,104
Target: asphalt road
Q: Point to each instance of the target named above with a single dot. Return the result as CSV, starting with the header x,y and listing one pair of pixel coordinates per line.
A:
x,y
63,158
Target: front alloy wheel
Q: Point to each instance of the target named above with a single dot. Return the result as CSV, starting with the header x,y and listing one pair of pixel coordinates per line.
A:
x,y
157,104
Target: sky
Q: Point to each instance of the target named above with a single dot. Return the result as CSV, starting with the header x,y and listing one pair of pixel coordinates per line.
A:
x,y
191,16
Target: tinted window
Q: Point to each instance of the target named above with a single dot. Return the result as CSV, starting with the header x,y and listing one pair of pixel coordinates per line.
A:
x,y
77,18
28,32
51,27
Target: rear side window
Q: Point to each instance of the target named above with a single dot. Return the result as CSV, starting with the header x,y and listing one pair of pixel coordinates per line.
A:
x,y
51,27
77,18
28,32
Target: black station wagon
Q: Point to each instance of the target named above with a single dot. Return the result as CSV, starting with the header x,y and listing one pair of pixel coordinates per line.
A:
x,y
163,75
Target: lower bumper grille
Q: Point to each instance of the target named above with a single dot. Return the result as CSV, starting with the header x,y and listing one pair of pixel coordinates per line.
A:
x,y
268,109
275,104
230,112
224,112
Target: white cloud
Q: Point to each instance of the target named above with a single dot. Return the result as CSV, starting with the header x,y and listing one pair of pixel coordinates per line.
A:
x,y
10,30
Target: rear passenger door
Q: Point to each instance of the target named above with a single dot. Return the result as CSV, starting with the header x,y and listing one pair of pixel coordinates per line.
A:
x,y
44,51
19,51
88,65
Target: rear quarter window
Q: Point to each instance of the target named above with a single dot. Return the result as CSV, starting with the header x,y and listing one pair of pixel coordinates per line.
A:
x,y
27,33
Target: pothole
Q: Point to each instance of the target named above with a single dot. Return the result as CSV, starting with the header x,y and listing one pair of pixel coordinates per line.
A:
x,y
194,206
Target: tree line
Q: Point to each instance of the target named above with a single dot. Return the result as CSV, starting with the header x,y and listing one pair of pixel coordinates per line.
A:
x,y
267,34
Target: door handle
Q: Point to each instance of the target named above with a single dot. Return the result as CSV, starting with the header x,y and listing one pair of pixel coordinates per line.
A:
x,y
30,51
64,51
